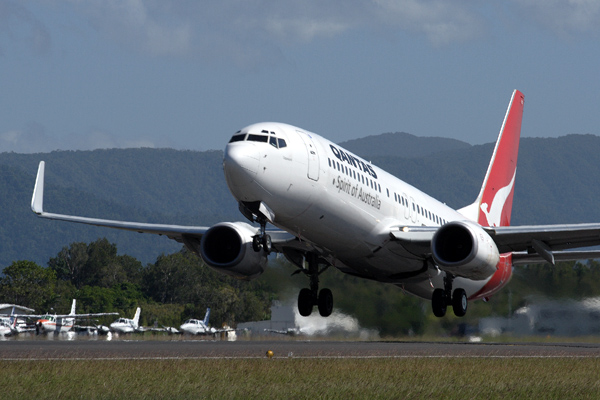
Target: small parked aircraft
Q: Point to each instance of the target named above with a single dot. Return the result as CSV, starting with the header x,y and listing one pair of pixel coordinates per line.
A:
x,y
126,325
198,327
57,323
14,323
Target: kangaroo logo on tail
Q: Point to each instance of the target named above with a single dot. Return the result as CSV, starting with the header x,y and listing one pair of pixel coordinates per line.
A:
x,y
494,215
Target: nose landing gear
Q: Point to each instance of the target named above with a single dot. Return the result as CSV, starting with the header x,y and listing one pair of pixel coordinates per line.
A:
x,y
262,241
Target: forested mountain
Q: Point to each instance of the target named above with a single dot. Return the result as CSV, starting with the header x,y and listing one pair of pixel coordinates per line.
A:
x,y
401,144
556,183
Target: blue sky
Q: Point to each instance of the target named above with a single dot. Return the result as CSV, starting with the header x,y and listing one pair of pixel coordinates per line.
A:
x,y
85,74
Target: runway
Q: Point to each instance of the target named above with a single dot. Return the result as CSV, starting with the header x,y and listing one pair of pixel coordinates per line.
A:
x,y
197,349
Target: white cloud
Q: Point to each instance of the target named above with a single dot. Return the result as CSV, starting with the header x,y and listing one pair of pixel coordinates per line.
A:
x,y
229,26
565,16
244,31
33,139
442,22
142,25
18,25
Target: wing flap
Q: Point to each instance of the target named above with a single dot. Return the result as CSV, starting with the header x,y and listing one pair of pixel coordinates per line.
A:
x,y
554,237
522,257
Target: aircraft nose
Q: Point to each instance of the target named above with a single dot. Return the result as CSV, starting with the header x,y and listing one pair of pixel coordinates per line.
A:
x,y
240,162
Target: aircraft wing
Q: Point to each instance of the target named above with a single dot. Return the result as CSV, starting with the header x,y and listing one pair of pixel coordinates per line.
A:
x,y
172,231
84,315
555,237
522,257
10,308
528,243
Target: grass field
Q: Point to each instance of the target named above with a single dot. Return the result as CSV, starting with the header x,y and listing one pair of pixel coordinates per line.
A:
x,y
407,378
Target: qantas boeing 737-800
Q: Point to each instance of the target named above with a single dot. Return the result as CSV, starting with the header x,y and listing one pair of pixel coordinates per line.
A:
x,y
333,208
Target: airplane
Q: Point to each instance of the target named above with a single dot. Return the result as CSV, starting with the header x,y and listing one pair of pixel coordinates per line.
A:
x,y
198,327
333,208
57,323
126,325
15,323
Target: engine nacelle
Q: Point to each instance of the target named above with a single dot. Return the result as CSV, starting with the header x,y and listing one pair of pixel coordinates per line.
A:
x,y
463,248
227,247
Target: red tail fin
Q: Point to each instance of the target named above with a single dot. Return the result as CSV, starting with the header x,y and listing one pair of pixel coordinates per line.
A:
x,y
493,206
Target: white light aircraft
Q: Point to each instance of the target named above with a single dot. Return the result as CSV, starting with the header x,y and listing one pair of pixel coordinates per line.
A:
x,y
126,325
57,323
12,323
334,208
197,326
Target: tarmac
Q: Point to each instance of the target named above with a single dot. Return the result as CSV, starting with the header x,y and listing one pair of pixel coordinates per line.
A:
x,y
131,349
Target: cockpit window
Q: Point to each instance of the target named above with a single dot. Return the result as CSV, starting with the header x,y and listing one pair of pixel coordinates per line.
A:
x,y
270,138
258,138
237,138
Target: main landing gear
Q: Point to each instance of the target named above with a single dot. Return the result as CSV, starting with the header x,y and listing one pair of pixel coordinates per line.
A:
x,y
442,297
308,298
262,241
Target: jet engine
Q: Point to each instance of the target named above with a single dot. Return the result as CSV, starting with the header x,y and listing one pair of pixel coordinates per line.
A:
x,y
227,247
464,249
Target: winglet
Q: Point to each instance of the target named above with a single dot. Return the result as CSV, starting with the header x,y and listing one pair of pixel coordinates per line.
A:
x,y
37,200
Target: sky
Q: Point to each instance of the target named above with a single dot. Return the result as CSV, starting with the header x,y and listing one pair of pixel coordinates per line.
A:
x,y
87,74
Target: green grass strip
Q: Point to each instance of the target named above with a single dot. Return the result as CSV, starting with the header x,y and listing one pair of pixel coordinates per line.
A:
x,y
408,378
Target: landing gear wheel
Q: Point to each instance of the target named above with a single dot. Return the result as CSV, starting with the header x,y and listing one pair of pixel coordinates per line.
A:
x,y
459,302
325,302
306,302
256,246
438,303
267,243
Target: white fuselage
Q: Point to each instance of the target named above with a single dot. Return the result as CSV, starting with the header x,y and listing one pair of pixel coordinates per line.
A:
x,y
123,325
51,323
195,327
337,201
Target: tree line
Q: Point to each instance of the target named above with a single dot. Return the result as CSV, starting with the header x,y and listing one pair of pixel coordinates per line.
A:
x,y
175,287
179,286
